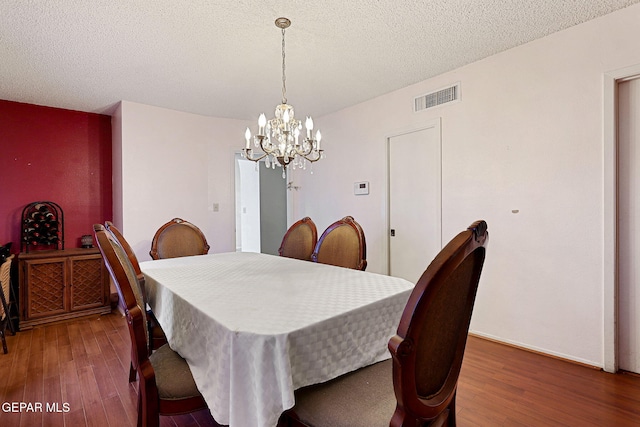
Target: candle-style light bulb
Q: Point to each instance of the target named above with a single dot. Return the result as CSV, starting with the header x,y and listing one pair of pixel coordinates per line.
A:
x,y
247,136
318,138
262,120
309,125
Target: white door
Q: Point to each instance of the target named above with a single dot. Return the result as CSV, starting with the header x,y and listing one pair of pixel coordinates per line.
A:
x,y
247,183
415,206
629,225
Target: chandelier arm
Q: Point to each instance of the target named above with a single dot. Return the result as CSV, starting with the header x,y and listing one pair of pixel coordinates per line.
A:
x,y
315,158
311,145
263,139
248,153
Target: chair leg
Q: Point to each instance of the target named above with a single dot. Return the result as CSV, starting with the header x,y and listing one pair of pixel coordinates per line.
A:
x,y
11,327
451,420
4,343
132,373
8,310
7,315
140,409
148,412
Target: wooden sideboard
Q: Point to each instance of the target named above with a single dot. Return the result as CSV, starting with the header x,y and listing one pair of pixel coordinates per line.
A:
x,y
60,285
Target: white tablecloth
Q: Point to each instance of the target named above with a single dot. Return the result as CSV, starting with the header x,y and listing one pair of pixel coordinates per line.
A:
x,y
255,327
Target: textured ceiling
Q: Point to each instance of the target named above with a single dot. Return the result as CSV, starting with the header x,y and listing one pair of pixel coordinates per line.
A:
x,y
222,58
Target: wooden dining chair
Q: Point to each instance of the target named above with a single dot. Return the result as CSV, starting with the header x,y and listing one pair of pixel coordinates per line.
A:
x,y
417,386
299,240
342,244
178,238
5,299
166,385
157,337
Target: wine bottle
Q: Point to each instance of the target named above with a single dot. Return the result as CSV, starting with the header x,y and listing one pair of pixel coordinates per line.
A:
x,y
37,216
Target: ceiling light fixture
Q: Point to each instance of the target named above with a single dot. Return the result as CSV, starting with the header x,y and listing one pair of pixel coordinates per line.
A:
x,y
279,138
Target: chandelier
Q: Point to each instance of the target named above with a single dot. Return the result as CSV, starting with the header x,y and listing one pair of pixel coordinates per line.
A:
x,y
279,139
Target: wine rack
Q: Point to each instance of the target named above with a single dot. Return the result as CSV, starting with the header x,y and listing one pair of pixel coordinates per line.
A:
x,y
42,226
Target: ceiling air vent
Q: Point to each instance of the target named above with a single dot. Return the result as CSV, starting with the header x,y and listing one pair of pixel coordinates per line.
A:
x,y
438,97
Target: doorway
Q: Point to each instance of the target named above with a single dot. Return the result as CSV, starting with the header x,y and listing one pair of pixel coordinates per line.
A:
x,y
611,298
415,200
261,207
628,239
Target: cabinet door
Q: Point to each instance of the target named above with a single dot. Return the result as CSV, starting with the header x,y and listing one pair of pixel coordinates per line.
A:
x,y
46,280
87,279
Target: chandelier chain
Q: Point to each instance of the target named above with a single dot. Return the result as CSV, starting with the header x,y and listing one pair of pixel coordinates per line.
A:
x,y
284,78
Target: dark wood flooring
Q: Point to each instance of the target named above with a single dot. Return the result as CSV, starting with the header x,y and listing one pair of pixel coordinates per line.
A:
x,y
84,364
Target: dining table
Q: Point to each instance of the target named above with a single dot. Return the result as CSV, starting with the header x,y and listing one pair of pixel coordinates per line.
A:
x,y
255,327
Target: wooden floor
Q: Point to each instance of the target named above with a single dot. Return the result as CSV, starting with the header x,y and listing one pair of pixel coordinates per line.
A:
x,y
80,369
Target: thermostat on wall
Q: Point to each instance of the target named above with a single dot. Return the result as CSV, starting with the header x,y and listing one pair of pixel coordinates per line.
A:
x,y
361,188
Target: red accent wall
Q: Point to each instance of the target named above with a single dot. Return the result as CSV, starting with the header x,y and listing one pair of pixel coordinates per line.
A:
x,y
57,155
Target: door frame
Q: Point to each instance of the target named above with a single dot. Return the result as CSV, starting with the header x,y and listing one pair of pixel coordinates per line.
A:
x,y
610,214
431,123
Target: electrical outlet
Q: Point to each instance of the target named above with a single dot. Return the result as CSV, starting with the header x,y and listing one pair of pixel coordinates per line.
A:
x,y
216,207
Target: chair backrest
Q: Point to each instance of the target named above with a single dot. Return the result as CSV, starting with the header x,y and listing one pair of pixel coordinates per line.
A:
x,y
124,277
300,240
431,338
342,244
178,238
127,248
5,281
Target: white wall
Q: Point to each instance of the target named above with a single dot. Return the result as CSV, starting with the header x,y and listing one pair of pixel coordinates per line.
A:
x,y
527,135
174,164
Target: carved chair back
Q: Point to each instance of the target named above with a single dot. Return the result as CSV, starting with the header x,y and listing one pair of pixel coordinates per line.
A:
x,y
178,238
299,240
429,346
342,244
127,248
